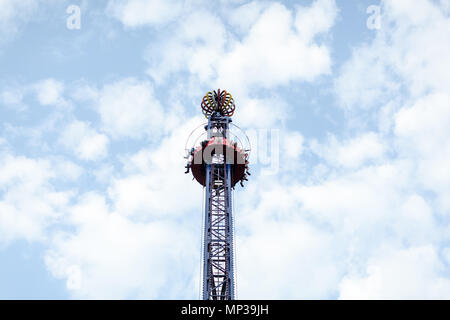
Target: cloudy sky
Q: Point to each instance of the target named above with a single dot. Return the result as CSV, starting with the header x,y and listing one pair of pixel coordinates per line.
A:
x,y
353,202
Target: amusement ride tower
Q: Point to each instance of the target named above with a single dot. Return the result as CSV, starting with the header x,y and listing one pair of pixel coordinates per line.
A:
x,y
218,163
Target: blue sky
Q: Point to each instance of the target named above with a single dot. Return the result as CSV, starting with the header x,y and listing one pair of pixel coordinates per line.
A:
x,y
93,199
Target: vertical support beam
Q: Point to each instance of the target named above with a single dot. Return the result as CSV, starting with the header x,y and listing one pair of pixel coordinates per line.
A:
x,y
207,235
230,235
218,273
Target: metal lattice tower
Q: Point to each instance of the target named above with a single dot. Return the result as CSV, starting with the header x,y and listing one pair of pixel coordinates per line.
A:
x,y
218,164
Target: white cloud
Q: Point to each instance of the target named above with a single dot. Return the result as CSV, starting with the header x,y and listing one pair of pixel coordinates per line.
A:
x,y
13,13
271,52
400,78
47,92
288,259
445,4
191,48
244,16
356,92
13,97
116,258
407,53
136,13
423,133
425,125
293,145
85,142
153,177
27,218
412,273
135,245
263,113
364,200
317,233
405,68
353,152
274,53
315,20
128,108
50,92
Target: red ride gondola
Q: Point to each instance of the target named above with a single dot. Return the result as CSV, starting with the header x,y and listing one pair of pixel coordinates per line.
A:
x,y
231,153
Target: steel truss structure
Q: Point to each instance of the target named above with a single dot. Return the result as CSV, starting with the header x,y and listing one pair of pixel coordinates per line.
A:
x,y
218,273
218,164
